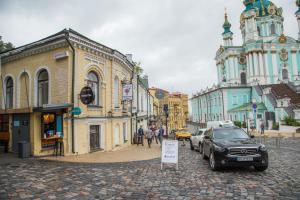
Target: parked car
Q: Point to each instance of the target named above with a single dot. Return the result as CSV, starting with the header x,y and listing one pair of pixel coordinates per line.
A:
x,y
196,140
231,146
182,134
216,124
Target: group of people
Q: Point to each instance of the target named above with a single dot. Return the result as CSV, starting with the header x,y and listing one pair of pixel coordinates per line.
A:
x,y
151,134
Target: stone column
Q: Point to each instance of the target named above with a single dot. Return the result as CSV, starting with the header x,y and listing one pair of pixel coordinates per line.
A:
x,y
275,66
232,75
236,65
255,64
298,19
227,70
267,73
261,65
294,65
251,65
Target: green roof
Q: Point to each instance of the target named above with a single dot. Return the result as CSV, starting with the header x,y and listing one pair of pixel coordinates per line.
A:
x,y
248,107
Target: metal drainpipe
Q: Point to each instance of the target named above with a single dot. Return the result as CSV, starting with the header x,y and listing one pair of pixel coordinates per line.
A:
x,y
137,104
73,86
131,104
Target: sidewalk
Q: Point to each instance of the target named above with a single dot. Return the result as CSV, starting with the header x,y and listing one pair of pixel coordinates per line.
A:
x,y
272,133
127,154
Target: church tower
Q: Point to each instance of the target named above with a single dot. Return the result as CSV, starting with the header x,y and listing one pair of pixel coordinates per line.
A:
x,y
227,34
298,17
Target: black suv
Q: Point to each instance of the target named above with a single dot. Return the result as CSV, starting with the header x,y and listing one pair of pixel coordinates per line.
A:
x,y
232,146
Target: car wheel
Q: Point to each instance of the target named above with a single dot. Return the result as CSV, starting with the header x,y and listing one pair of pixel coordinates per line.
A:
x,y
261,168
212,162
191,144
200,148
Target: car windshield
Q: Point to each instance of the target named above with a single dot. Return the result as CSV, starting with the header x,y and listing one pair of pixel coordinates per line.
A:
x,y
230,134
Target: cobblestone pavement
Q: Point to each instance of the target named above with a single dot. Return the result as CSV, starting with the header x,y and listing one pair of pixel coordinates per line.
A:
x,y
38,179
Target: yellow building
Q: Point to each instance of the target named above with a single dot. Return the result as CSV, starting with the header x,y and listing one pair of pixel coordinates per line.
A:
x,y
177,105
41,85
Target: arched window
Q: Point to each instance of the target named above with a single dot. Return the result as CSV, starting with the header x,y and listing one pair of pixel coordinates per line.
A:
x,y
93,82
285,74
43,88
116,92
9,92
243,78
273,29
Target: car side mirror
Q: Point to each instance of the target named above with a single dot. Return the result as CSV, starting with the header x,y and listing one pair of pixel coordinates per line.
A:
x,y
252,136
206,137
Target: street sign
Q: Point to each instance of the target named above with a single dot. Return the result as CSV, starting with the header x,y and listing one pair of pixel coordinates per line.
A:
x,y
169,152
127,92
87,95
159,94
76,111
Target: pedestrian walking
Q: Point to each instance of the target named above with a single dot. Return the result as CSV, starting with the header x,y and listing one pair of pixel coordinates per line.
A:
x,y
262,127
140,136
156,135
149,135
160,134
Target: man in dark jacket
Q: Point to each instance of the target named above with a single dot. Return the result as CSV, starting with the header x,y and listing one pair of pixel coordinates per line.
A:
x,y
160,134
140,136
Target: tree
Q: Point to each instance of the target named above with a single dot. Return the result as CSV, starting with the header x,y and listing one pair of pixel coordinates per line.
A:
x,y
5,46
137,68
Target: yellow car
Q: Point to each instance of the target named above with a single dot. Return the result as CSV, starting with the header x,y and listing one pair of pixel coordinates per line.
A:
x,y
182,134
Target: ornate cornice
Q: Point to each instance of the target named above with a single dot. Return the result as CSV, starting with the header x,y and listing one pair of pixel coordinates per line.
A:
x,y
33,51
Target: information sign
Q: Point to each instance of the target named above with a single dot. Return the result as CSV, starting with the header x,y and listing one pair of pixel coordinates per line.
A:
x,y
169,152
127,92
87,95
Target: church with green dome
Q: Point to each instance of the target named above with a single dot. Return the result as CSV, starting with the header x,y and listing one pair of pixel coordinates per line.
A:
x,y
259,80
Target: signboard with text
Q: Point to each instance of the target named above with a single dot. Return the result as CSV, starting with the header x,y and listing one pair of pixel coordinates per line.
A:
x,y
127,92
169,152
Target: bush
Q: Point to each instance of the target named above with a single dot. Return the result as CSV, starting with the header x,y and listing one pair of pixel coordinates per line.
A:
x,y
244,125
275,126
238,124
289,121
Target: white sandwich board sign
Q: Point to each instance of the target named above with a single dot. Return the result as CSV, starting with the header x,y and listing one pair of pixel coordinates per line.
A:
x,y
169,152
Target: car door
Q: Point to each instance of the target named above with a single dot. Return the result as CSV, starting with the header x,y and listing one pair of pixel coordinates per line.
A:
x,y
193,138
206,142
197,139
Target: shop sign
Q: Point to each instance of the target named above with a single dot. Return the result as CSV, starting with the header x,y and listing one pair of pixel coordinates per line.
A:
x,y
127,92
76,111
169,153
60,55
87,95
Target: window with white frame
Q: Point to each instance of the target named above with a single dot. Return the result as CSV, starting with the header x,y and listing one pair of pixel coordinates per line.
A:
x,y
93,82
9,93
43,88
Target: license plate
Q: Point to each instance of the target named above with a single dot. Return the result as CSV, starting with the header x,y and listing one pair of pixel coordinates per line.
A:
x,y
244,158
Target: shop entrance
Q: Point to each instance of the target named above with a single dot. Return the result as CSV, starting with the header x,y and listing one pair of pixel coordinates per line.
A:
x,y
94,137
20,130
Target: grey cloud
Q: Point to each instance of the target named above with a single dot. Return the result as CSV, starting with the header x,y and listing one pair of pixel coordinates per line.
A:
x,y
176,41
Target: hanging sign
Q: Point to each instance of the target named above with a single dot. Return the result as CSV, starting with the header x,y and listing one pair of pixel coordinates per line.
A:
x,y
76,111
127,92
87,95
169,152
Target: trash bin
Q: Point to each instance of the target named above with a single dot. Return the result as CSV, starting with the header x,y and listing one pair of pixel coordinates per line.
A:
x,y
24,149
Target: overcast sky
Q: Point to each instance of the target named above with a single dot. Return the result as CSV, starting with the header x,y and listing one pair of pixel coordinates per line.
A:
x,y
175,40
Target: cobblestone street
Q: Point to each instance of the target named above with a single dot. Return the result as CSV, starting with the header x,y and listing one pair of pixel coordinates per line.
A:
x,y
39,179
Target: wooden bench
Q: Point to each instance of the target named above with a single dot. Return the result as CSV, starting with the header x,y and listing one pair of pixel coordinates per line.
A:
x,y
4,138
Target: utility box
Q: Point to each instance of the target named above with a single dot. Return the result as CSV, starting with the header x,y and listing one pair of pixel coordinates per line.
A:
x,y
24,149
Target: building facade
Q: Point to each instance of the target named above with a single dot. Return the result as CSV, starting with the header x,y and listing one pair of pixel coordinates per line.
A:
x,y
41,103
266,59
177,108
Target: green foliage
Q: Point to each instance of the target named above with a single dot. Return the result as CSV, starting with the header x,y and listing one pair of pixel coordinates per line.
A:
x,y
244,125
137,68
275,126
238,124
289,121
5,46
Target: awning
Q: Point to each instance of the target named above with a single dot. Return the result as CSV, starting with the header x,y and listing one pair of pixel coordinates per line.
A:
x,y
52,107
248,107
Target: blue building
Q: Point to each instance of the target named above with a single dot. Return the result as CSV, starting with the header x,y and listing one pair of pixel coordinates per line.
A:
x,y
264,70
